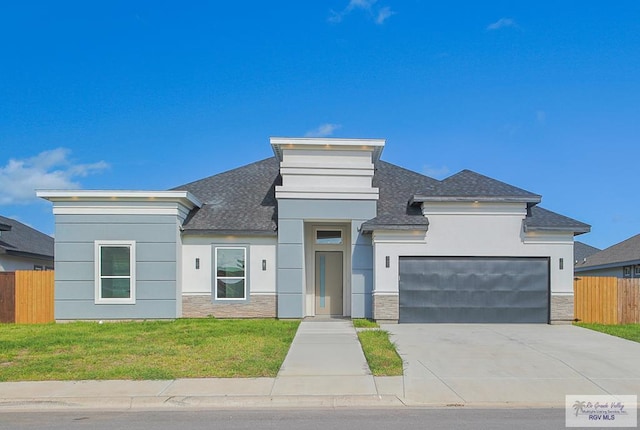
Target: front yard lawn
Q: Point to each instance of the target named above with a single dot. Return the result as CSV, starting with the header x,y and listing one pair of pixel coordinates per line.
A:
x,y
185,348
380,353
626,331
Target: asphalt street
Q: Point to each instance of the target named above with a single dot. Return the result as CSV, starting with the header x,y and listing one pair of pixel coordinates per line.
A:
x,y
321,419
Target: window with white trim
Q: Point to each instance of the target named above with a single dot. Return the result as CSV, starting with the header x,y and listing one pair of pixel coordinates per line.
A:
x,y
115,271
230,273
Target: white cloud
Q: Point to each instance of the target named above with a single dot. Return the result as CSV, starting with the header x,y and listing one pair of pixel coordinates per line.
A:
x,y
360,4
502,23
334,17
48,170
384,14
323,130
436,172
379,15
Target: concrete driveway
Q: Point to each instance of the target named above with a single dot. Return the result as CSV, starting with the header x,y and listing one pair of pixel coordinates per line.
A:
x,y
515,364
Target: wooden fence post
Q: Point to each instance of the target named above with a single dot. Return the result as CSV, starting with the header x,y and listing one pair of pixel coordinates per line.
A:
x,y
7,297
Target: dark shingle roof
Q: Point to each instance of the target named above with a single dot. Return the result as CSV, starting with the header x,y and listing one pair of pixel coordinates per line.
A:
x,y
242,201
397,186
581,251
22,240
541,219
627,251
239,201
467,185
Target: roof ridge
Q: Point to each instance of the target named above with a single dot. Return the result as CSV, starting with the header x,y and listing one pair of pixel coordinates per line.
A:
x,y
229,171
409,170
487,178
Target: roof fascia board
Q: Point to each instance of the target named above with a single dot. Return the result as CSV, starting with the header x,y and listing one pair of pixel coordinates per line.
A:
x,y
278,144
605,266
574,230
395,227
505,199
28,254
243,233
183,197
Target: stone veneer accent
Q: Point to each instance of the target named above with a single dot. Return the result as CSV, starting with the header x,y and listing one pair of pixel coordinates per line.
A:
x,y
561,308
258,306
386,308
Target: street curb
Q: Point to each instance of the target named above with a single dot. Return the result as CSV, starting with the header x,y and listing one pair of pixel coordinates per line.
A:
x,y
177,403
197,402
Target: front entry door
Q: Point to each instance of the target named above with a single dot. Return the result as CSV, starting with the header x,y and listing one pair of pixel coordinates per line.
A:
x,y
328,282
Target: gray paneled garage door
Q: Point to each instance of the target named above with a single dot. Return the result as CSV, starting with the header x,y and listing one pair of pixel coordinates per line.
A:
x,y
474,290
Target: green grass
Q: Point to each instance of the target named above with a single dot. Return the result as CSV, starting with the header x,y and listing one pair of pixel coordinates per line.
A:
x,y
625,331
364,323
186,348
380,353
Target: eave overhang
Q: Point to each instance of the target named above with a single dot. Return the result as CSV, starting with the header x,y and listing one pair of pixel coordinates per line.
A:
x,y
279,144
183,197
529,200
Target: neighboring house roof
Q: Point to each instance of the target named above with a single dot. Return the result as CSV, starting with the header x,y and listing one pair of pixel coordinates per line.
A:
x,y
242,201
624,253
581,251
21,240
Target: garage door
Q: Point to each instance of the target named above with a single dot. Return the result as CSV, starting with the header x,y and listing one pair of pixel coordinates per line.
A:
x,y
474,290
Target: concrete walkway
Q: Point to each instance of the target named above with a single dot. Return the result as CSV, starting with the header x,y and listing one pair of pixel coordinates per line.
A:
x,y
325,358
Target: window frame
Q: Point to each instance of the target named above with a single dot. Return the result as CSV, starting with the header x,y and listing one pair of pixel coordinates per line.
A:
x,y
245,278
98,246
318,241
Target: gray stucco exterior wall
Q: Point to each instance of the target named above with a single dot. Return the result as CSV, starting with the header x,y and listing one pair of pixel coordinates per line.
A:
x,y
292,214
361,272
156,239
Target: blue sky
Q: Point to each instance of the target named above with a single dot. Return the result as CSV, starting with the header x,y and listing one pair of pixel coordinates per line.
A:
x,y
151,95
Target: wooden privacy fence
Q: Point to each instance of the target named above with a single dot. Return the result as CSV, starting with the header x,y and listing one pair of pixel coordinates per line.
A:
x,y
26,296
606,300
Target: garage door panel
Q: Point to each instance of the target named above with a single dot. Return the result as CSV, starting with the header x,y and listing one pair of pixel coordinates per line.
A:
x,y
474,289
471,315
474,298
